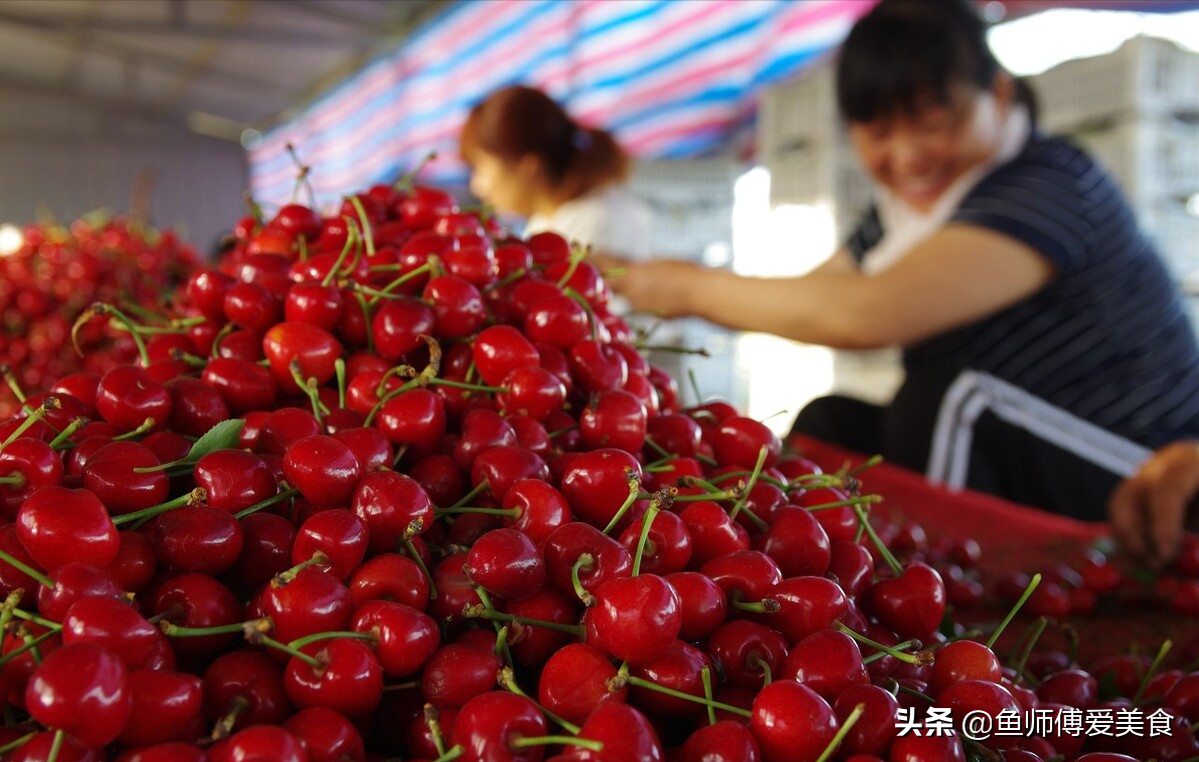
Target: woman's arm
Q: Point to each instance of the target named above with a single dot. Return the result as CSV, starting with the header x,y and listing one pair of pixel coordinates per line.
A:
x,y
959,275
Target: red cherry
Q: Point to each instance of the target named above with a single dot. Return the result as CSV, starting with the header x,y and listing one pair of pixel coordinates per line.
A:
x,y
827,661
405,638
389,577
58,525
489,726
347,677
82,689
912,603
597,484
127,398
500,349
963,660
308,603
626,735
791,722
313,349
198,601
196,538
458,307
250,685
324,469
737,441
507,563
391,504
398,325
112,474
724,741
166,707
259,743
457,673
680,668
636,618
326,735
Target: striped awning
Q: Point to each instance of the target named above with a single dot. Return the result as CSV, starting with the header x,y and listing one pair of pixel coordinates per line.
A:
x,y
671,78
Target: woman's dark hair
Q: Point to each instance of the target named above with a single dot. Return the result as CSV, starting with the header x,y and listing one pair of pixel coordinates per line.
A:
x,y
904,52
517,121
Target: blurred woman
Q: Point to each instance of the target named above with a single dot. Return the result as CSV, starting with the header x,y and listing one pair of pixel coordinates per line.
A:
x,y
529,158
1045,345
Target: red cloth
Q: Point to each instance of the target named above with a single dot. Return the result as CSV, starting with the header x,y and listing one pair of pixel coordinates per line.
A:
x,y
1013,537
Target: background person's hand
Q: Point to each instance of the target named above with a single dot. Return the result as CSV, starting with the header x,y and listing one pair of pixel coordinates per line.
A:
x,y
662,287
1148,511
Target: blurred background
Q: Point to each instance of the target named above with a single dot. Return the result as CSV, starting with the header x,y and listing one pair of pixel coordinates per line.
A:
x,y
176,111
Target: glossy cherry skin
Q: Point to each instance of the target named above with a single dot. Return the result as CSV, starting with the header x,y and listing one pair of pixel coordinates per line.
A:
x,y
797,541
531,390
876,727
913,748
457,673
127,397
564,548
458,307
197,600
500,349
397,326
624,731
57,525
725,741
244,385
541,508
175,751
111,473
912,604
392,505
791,722
597,483
405,638
806,604
680,668
259,743
507,563
488,725
636,618
36,465
73,581
713,534
167,706
266,551
324,469
574,681
415,419
234,479
114,624
339,534
195,406
827,661
389,577
963,660
348,679
311,601
326,735
196,538
82,688
249,683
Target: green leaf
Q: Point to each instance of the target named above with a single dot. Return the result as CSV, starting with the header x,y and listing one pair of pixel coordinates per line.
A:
x,y
223,436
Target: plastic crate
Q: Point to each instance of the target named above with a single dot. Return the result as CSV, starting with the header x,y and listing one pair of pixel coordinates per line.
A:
x,y
1156,160
1146,77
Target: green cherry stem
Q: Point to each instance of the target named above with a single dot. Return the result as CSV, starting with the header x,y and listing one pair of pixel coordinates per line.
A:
x,y
195,497
17,743
1032,585
884,551
507,679
62,441
30,644
410,548
705,677
480,611
26,569
10,379
920,658
368,236
285,494
1149,673
625,677
634,492
846,725
102,308
582,563
525,742
35,415
60,737
749,485
319,636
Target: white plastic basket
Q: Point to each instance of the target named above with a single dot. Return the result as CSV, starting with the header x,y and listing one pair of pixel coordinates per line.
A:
x,y
1145,77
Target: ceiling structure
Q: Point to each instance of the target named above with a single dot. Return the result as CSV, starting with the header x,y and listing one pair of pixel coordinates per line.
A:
x,y
217,67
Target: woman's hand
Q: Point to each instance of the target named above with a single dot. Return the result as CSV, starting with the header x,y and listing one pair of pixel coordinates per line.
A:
x,y
662,287
1148,511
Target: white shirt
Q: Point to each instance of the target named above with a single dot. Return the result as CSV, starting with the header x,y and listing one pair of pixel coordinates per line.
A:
x,y
611,220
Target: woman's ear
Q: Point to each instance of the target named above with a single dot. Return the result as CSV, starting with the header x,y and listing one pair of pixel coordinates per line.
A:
x,y
1004,90
530,168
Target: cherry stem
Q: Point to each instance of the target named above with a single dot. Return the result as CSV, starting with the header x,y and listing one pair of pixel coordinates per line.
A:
x,y
319,636
475,491
339,371
401,686
582,301
368,236
38,620
295,653
102,308
11,379
319,558
172,630
854,501
26,569
507,678
410,547
366,314
60,736
584,562
764,606
577,255
634,492
884,551
225,330
195,497
1032,585
18,743
405,183
501,643
506,280
452,754
62,441
749,485
512,513
755,660
761,477
1153,668
643,683
705,677
846,725
29,645
15,479
286,494
1033,636
646,522
386,291
433,722
480,611
469,387
35,415
586,743
302,173
920,658
880,655
8,607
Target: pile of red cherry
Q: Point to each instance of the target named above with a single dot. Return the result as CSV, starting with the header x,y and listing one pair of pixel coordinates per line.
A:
x,y
57,272
392,484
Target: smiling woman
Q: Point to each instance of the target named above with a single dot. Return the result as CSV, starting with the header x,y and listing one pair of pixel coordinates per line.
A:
x,y
1044,344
